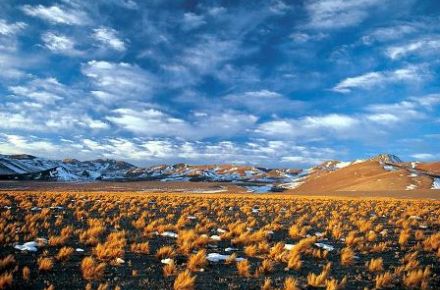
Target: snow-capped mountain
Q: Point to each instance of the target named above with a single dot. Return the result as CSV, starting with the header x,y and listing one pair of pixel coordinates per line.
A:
x,y
381,172
31,167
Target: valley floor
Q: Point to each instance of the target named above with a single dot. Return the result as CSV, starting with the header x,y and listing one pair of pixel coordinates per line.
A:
x,y
139,240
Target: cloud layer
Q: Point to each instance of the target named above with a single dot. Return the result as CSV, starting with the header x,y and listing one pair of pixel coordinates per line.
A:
x,y
276,84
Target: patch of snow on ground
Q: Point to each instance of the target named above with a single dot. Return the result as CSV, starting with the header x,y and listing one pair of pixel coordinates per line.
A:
x,y
216,257
411,187
29,246
436,183
169,234
259,189
325,246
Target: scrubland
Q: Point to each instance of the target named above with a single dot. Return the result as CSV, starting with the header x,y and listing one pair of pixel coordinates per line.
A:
x,y
68,240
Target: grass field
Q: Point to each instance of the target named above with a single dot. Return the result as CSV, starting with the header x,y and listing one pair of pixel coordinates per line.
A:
x,y
127,240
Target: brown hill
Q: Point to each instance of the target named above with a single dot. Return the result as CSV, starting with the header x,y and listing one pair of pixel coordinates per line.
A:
x,y
375,174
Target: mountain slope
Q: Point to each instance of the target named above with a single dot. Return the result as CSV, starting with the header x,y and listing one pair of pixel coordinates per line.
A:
x,y
382,172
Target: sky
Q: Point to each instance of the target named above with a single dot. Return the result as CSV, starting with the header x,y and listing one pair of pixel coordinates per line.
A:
x,y
270,83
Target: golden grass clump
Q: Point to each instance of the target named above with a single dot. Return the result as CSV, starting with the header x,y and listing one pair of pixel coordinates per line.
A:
x,y
290,283
165,252
113,247
64,253
319,280
334,284
375,265
7,262
45,264
265,267
91,270
6,280
384,280
169,269
404,237
294,261
417,278
26,273
140,248
184,281
243,268
267,284
347,256
197,261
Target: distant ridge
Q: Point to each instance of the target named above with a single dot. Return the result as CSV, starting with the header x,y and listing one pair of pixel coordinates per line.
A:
x,y
380,172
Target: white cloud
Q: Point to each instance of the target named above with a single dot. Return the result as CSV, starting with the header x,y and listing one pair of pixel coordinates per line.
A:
x,y
426,46
330,14
258,101
388,33
192,21
334,125
8,29
155,123
149,122
119,81
57,14
302,37
378,79
170,150
16,144
423,156
109,38
45,91
59,43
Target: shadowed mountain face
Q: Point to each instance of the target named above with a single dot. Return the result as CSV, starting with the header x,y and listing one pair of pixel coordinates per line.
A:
x,y
381,172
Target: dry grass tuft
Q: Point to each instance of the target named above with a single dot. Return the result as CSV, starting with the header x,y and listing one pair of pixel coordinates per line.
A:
x,y
26,273
197,261
91,270
45,264
243,268
184,281
6,280
64,253
169,269
290,283
347,256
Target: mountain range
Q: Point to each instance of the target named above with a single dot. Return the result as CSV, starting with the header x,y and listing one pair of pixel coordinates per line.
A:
x,y
381,172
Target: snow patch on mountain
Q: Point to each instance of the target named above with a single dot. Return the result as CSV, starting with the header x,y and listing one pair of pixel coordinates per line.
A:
x,y
436,183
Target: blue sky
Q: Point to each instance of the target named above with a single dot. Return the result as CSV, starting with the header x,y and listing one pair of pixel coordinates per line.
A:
x,y
270,83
